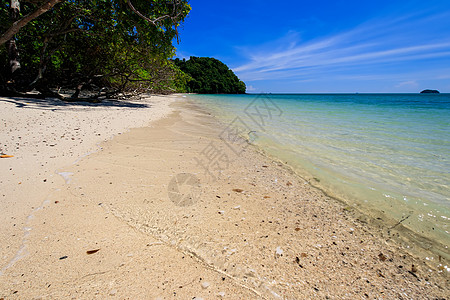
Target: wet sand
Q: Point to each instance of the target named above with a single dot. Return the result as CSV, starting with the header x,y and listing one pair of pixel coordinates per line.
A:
x,y
185,209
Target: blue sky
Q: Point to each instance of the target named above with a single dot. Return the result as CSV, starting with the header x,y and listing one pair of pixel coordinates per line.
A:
x,y
324,46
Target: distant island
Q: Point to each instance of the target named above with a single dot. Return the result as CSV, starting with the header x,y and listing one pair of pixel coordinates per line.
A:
x,y
429,92
208,75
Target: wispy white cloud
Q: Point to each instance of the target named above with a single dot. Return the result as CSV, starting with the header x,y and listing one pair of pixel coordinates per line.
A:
x,y
363,50
250,88
181,54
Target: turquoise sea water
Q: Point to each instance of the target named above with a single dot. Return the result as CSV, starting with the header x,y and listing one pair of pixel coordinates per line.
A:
x,y
387,153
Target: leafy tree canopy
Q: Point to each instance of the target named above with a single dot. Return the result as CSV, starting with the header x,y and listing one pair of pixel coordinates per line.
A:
x,y
110,45
210,76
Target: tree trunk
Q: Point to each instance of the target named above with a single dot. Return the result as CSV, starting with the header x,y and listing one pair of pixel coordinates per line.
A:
x,y
19,23
11,46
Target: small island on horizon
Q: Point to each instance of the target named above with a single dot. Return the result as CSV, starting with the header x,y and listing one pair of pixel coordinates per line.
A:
x,y
430,92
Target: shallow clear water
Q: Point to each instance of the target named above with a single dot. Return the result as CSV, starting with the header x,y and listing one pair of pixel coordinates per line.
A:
x,y
382,152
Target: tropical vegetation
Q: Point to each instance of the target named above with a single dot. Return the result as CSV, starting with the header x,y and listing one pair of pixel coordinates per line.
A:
x,y
111,47
209,76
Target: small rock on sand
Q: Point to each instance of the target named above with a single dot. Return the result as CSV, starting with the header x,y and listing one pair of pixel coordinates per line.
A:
x,y
279,251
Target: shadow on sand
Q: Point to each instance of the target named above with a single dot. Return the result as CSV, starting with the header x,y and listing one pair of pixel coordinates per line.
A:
x,y
56,104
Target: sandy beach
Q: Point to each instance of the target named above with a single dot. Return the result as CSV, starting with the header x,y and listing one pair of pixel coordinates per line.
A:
x,y
177,207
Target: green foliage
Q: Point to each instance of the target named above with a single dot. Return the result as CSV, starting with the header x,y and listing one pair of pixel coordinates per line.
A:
x,y
100,42
181,79
210,76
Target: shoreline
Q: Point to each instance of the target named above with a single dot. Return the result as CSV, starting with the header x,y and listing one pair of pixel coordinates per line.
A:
x,y
415,243
393,231
263,229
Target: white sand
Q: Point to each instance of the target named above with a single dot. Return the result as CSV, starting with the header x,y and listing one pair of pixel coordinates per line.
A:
x,y
44,136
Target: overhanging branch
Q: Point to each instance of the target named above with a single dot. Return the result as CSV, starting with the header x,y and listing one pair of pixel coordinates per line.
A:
x,y
16,26
156,20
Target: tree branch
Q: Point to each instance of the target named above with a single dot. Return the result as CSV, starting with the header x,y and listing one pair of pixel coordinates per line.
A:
x,y
153,21
16,26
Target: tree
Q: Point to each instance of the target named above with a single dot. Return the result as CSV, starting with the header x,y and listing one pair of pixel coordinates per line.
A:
x,y
210,76
101,44
18,23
